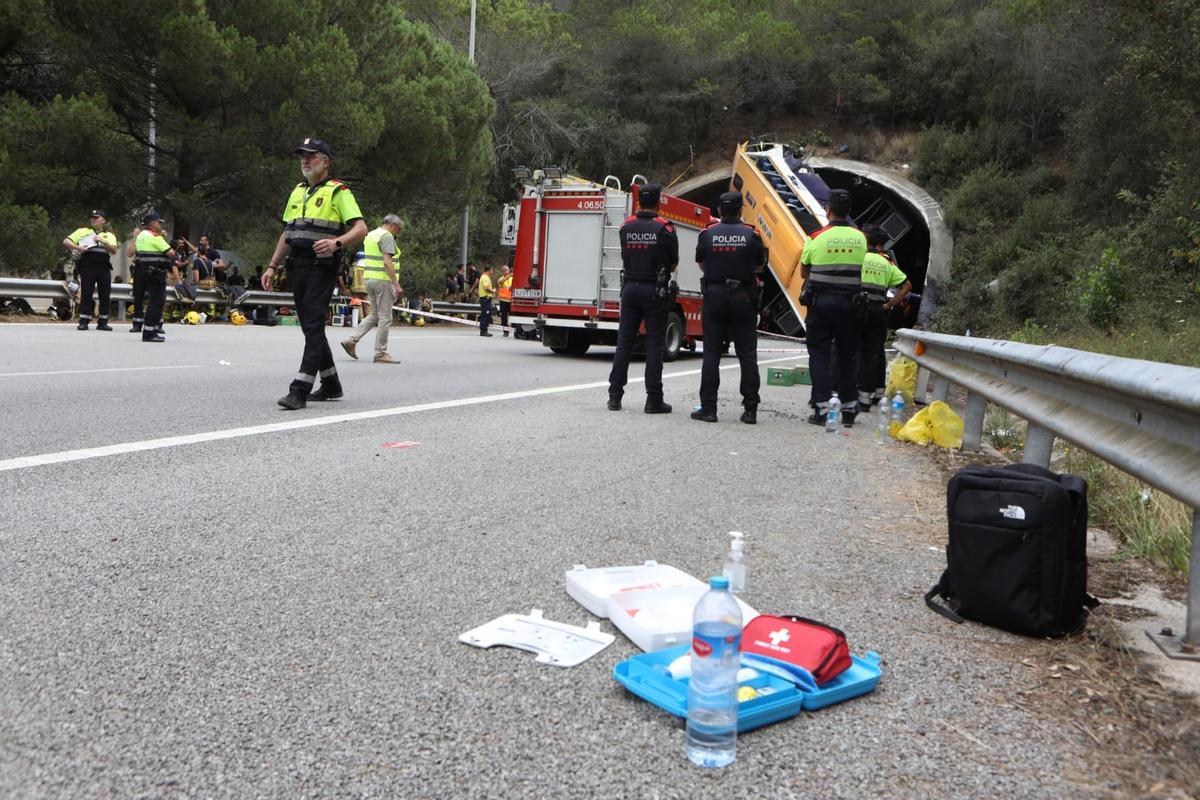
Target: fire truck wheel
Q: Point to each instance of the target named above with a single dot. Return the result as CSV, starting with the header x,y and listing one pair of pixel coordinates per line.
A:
x,y
674,336
578,343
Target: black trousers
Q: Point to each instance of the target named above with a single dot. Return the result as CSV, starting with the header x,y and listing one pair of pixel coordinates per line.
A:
x,y
833,318
312,286
872,367
156,296
640,303
504,307
94,279
729,314
139,294
485,313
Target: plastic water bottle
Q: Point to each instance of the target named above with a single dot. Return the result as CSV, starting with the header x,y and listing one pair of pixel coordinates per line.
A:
x,y
897,419
885,417
735,563
712,690
833,415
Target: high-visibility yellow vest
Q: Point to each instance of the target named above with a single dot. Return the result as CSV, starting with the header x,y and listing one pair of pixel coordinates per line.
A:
x,y
372,260
323,211
152,251
835,254
505,292
878,275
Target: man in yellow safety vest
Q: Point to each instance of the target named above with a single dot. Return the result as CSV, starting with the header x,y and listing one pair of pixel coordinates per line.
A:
x,y
377,261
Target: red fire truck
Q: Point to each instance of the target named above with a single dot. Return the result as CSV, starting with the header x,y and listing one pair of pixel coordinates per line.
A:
x,y
567,261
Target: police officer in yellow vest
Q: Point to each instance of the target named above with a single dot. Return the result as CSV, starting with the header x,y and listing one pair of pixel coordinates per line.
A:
x,y
321,218
831,266
382,285
93,245
879,273
155,258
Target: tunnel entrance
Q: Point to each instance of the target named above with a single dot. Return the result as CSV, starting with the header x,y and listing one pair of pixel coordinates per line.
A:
x,y
879,202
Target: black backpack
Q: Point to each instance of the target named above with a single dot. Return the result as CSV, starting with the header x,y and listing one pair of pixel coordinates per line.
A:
x,y
1017,555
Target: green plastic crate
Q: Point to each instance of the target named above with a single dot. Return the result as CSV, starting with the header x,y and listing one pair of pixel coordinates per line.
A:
x,y
779,376
801,376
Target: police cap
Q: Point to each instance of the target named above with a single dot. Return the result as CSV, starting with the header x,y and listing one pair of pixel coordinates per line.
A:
x,y
730,204
98,213
152,216
649,194
311,145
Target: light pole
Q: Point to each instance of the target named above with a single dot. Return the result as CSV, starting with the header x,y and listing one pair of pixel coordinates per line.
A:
x,y
466,215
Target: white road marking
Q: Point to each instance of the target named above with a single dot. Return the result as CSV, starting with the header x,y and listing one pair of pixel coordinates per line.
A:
x,y
44,459
92,371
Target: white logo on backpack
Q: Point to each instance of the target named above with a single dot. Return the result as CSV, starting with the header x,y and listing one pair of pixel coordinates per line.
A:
x,y
1013,512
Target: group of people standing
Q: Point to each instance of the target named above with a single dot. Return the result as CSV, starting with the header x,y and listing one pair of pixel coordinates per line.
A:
x,y
848,276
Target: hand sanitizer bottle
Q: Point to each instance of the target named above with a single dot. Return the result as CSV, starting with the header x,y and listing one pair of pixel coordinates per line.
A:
x,y
735,563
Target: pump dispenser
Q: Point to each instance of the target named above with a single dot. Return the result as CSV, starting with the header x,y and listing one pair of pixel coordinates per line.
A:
x,y
735,563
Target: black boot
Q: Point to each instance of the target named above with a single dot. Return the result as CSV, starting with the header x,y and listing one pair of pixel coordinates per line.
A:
x,y
82,326
657,407
614,404
330,390
137,328
295,400
152,336
102,325
848,418
705,414
816,418
750,415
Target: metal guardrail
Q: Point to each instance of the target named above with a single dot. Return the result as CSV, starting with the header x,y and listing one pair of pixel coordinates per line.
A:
x,y
123,293
1140,416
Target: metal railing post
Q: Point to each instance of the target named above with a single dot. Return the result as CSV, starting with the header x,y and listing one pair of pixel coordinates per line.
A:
x,y
1038,444
1191,634
923,374
941,388
973,421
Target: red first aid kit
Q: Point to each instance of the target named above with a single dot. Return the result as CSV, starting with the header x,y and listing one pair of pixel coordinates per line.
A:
x,y
815,647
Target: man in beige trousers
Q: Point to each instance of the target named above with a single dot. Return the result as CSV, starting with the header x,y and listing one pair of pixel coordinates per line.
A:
x,y
379,273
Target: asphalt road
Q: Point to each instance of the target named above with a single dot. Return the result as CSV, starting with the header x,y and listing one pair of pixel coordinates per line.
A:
x,y
255,610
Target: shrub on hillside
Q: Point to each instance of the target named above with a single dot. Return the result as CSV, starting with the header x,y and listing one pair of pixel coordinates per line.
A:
x,y
987,198
1102,290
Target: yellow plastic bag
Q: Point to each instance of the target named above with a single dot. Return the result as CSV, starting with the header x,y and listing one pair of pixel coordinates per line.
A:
x,y
902,378
938,424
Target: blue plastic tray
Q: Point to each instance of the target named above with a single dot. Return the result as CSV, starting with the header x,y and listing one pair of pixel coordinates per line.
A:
x,y
646,676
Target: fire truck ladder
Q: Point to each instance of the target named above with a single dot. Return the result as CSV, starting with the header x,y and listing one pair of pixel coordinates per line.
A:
x,y
616,204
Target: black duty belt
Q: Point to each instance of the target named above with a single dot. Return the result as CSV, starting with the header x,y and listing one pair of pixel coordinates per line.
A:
x,y
641,280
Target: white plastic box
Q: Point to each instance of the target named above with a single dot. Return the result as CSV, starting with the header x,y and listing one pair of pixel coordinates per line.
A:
x,y
591,588
658,618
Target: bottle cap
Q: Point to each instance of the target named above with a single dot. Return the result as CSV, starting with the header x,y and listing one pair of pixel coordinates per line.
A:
x,y
737,543
718,582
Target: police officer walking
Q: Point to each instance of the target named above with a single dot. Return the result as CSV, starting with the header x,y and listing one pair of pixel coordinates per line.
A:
x,y
879,273
649,254
155,258
321,218
93,245
729,254
831,266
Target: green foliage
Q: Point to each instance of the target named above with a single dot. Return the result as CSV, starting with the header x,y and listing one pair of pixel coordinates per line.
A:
x,y
1103,290
987,198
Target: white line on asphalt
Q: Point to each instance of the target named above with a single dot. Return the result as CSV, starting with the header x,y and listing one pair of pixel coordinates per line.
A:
x,y
87,371
44,459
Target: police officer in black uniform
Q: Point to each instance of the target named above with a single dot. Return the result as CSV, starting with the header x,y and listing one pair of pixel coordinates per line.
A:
x,y
729,254
649,254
